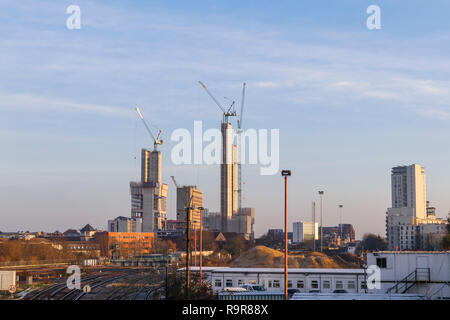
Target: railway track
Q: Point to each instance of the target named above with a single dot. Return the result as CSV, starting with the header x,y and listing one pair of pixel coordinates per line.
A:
x,y
136,286
52,291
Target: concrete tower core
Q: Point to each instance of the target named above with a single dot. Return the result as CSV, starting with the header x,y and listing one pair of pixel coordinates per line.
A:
x,y
228,176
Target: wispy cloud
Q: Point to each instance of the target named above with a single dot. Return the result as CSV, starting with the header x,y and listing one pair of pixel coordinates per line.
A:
x,y
27,101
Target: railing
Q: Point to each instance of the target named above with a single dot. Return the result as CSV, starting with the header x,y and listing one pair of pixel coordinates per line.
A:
x,y
418,275
24,263
423,274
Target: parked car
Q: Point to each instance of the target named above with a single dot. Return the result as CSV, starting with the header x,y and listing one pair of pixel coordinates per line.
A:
x,y
340,291
292,291
253,287
235,289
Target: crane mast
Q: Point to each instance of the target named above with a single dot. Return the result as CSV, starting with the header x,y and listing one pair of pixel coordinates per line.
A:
x,y
239,130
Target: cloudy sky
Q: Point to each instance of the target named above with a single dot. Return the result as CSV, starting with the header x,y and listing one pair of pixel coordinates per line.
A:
x,y
350,103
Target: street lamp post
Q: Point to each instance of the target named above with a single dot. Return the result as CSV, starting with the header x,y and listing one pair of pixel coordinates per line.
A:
x,y
314,224
201,243
321,220
340,222
195,246
187,275
285,174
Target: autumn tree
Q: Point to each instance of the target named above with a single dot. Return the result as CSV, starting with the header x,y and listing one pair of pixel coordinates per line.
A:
x,y
373,242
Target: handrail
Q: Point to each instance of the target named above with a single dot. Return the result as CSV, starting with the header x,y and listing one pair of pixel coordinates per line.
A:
x,y
410,280
404,281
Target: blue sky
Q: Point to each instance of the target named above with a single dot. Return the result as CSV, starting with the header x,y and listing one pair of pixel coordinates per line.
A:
x,y
350,103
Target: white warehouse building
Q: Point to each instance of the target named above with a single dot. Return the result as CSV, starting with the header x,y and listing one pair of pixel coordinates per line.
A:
x,y
421,272
305,280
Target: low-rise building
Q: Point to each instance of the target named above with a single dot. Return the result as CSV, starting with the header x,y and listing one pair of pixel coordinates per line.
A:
x,y
421,272
339,235
242,223
124,244
72,235
87,232
272,279
305,231
124,224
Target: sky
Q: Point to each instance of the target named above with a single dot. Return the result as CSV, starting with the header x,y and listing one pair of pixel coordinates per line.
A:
x,y
350,103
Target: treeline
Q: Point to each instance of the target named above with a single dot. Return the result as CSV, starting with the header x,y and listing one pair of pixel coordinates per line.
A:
x,y
32,250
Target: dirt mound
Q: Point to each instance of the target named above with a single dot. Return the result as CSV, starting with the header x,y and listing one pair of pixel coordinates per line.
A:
x,y
263,257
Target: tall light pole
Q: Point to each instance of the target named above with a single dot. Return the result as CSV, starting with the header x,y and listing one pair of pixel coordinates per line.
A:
x,y
285,174
340,221
321,220
201,243
314,224
195,246
188,273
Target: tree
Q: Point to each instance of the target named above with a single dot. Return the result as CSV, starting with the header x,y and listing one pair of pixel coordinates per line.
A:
x,y
176,288
446,239
235,246
163,246
373,242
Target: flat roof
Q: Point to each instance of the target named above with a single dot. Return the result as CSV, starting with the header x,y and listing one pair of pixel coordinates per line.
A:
x,y
357,296
277,270
411,252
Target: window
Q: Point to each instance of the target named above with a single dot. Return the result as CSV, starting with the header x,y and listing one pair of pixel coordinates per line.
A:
x,y
218,283
300,284
240,282
229,283
363,285
314,284
276,283
339,284
289,283
381,262
270,283
326,284
252,281
351,285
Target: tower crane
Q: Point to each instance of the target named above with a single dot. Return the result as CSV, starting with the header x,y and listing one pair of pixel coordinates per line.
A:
x,y
156,141
239,131
174,181
228,113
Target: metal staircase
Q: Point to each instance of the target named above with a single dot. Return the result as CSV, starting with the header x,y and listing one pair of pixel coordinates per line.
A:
x,y
420,275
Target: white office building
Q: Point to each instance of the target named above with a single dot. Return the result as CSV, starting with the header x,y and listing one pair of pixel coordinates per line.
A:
x,y
305,231
411,224
124,224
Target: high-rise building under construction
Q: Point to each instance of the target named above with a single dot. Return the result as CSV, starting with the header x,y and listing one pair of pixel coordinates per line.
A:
x,y
228,176
149,196
232,217
189,196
